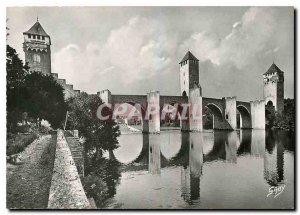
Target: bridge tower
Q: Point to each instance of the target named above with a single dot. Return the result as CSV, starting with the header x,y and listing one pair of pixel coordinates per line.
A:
x,y
37,50
189,74
274,88
189,86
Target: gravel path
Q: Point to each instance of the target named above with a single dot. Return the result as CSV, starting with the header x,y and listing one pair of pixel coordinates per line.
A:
x,y
28,183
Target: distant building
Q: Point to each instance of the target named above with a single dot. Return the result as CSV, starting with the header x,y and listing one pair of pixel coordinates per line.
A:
x,y
36,47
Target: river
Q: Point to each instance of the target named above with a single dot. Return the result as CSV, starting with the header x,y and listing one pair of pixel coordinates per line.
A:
x,y
207,170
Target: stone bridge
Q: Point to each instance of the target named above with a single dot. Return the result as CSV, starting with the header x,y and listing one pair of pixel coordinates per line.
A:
x,y
252,114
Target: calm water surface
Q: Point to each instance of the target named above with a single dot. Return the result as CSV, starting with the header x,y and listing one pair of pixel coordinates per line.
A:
x,y
209,170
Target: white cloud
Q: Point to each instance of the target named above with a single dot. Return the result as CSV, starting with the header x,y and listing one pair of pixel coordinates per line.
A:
x,y
204,45
272,51
242,45
141,54
134,51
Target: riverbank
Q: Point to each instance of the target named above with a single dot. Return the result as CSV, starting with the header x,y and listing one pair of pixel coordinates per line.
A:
x,y
28,183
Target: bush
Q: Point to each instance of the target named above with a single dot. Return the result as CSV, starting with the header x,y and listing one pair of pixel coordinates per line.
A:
x,y
23,129
285,120
44,130
95,188
19,142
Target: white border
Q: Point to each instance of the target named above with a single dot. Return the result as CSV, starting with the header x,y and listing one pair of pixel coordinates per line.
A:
x,y
10,3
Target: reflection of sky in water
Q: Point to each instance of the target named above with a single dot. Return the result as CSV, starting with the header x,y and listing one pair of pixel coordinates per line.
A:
x,y
171,144
130,147
207,170
208,142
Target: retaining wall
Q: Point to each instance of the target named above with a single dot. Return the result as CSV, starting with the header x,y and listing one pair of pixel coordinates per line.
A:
x,y
66,191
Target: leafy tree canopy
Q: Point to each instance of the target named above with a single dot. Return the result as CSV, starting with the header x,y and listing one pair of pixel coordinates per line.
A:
x,y
100,135
37,94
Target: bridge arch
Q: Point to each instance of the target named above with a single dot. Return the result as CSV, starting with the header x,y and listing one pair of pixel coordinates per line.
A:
x,y
217,114
141,110
215,109
245,120
177,120
131,106
270,99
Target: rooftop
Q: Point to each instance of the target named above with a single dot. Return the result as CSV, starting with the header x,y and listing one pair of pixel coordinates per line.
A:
x,y
188,56
37,29
273,68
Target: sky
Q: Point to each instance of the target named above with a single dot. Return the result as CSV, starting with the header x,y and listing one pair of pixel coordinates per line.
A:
x,y
135,50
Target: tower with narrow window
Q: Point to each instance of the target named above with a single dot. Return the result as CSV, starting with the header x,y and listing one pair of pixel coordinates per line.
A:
x,y
189,73
274,88
37,50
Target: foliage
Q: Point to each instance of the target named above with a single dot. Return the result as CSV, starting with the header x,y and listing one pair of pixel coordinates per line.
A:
x,y
19,142
100,135
43,98
95,187
40,96
15,78
44,129
102,178
208,118
285,120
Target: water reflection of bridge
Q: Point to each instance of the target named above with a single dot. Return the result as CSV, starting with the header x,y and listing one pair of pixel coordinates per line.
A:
x,y
197,149
218,145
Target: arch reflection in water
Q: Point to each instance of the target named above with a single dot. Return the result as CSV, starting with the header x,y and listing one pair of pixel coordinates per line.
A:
x,y
130,148
190,174
274,159
245,142
170,144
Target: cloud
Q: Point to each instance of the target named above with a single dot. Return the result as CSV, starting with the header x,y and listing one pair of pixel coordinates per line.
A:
x,y
132,52
142,54
247,38
227,63
272,51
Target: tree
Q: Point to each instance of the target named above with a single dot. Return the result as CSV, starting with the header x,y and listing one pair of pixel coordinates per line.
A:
x,y
34,93
15,79
286,120
100,135
43,98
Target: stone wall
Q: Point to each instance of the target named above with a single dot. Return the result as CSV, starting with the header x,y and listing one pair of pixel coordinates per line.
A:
x,y
195,110
184,78
258,114
68,88
153,111
38,57
230,111
66,191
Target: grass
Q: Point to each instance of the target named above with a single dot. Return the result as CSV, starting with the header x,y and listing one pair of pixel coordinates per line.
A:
x,y
28,184
17,142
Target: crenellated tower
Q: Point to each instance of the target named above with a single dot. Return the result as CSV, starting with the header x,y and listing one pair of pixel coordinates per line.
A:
x,y
37,50
274,88
36,47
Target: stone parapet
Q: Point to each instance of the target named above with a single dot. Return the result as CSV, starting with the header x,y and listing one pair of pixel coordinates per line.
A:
x,y
66,191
